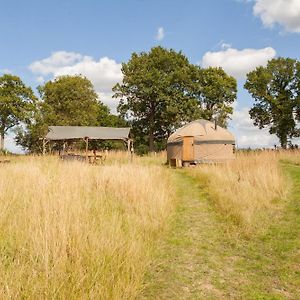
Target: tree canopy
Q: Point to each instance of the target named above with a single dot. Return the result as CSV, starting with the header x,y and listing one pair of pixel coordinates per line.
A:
x,y
65,101
161,91
276,91
69,100
17,103
216,92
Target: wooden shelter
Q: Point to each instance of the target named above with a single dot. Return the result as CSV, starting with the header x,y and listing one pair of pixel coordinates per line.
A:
x,y
85,133
200,141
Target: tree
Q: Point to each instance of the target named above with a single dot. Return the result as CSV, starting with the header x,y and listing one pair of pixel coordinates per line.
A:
x,y
16,104
154,94
65,101
276,91
106,119
216,92
69,100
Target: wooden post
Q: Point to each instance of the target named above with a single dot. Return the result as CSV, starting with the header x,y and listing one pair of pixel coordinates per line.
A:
x,y
131,150
86,148
50,147
128,148
45,142
44,146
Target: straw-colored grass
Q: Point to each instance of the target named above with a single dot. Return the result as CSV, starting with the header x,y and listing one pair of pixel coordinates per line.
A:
x,y
290,156
75,231
247,190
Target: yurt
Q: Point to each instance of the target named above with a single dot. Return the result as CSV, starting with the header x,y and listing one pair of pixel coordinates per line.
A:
x,y
200,141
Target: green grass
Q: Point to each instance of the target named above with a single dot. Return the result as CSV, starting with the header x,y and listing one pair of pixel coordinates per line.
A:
x,y
203,258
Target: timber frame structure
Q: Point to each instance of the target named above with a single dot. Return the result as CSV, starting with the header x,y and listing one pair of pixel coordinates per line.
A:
x,y
64,133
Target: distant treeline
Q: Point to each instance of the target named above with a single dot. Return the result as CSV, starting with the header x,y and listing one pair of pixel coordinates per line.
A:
x,y
160,91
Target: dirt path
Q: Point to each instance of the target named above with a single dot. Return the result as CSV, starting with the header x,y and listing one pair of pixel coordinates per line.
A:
x,y
201,259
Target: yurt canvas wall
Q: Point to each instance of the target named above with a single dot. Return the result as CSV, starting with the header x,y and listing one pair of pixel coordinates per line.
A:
x,y
201,141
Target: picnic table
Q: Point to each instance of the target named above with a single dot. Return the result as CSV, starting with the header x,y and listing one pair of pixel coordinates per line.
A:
x,y
95,158
91,158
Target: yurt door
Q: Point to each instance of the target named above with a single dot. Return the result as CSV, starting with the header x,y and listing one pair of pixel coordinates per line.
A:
x,y
188,148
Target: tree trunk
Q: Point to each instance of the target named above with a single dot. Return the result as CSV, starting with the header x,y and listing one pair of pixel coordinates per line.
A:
x,y
151,140
283,142
151,130
1,140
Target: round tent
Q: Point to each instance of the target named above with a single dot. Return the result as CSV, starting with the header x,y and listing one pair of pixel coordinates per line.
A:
x,y
201,141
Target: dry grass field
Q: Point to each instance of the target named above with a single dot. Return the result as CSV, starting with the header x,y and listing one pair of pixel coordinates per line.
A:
x,y
71,230
248,189
235,234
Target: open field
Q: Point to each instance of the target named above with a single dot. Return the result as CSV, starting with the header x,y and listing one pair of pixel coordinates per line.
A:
x,y
70,229
142,230
247,190
207,256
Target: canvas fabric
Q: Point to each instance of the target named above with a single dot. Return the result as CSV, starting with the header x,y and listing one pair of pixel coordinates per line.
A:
x,y
81,132
210,144
202,130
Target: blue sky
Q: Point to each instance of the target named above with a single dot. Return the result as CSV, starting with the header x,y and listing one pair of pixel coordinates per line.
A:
x,y
44,39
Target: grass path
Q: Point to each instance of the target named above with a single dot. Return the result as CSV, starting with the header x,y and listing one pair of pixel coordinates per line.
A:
x,y
200,258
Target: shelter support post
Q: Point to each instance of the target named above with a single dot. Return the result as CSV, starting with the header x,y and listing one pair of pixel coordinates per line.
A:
x,y
130,149
50,147
86,148
45,142
64,147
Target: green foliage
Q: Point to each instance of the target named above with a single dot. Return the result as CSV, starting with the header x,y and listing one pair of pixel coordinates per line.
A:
x,y
17,103
276,91
106,119
154,93
161,91
65,101
216,92
69,100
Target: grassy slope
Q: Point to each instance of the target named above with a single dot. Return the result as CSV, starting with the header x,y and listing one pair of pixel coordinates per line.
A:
x,y
201,259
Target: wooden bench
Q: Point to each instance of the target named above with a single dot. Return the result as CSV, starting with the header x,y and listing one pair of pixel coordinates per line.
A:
x,y
72,157
92,159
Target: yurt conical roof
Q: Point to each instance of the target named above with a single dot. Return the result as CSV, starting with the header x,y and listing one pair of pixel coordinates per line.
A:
x,y
204,131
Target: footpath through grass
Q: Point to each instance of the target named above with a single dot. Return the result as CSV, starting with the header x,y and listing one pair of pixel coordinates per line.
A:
x,y
202,258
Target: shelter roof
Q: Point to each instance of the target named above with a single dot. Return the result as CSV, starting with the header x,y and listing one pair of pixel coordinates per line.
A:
x,y
81,132
202,130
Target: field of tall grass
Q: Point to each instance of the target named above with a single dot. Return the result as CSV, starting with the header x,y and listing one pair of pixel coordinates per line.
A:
x,y
248,190
74,231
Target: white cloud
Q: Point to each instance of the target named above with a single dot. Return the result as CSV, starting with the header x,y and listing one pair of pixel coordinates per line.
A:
x,y
104,73
238,62
160,35
225,45
5,71
10,145
40,79
107,99
248,135
284,12
55,61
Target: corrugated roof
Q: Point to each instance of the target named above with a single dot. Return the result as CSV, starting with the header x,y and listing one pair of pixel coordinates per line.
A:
x,y
202,130
81,132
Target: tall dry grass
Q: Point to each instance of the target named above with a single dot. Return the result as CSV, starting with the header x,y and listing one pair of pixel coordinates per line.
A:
x,y
290,156
248,189
74,231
